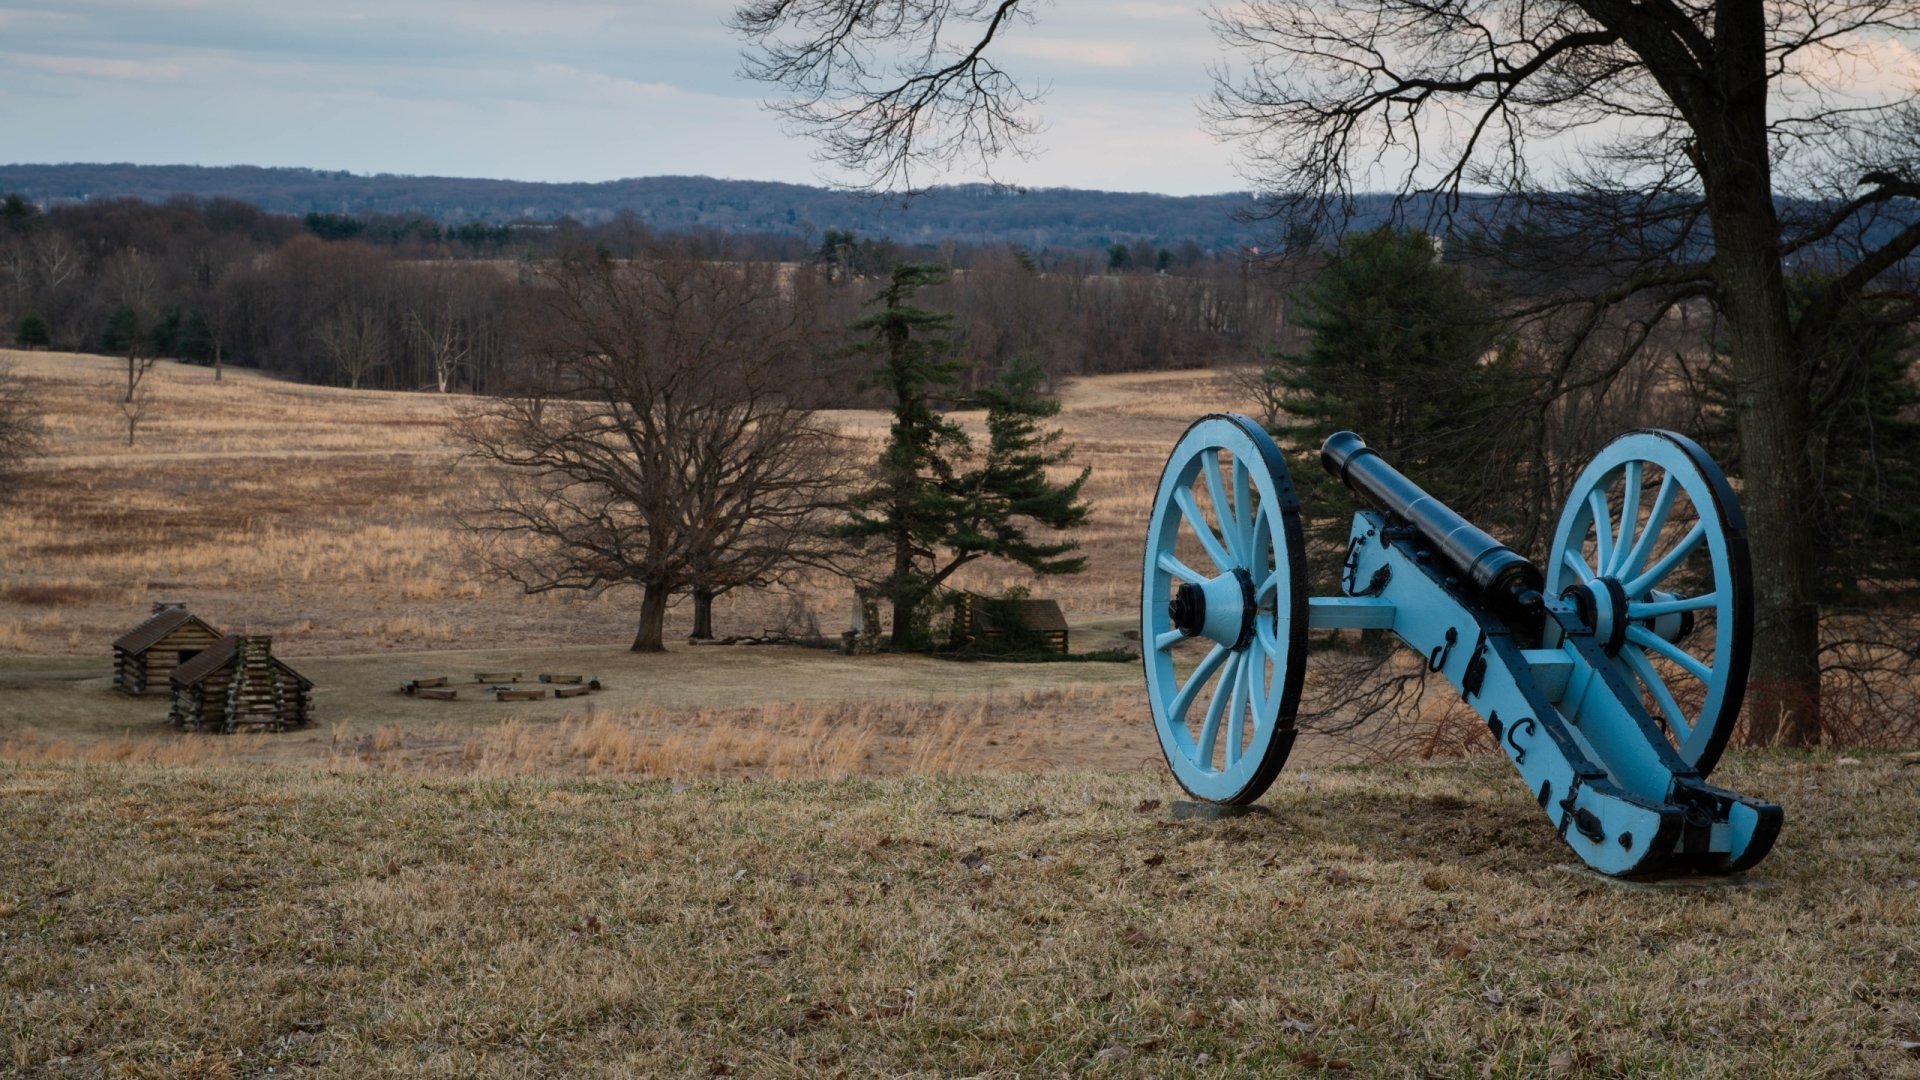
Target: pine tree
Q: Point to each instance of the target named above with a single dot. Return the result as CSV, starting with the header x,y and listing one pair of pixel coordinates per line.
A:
x,y
1865,502
33,331
914,503
1011,486
933,507
1406,353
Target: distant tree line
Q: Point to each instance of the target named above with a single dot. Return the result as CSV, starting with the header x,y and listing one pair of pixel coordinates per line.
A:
x,y
404,302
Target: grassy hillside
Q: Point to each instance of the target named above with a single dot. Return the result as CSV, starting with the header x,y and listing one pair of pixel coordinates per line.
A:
x,y
1400,922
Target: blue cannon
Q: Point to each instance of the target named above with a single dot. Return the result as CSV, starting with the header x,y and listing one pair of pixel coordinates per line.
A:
x,y
1611,678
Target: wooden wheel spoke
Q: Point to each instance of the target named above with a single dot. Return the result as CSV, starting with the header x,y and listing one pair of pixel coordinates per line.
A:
x,y
1222,561
1602,528
1210,730
1687,662
1633,559
1629,513
1639,585
1642,668
1178,569
1224,514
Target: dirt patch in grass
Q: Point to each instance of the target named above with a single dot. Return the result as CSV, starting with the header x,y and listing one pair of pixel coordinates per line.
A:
x,y
1396,922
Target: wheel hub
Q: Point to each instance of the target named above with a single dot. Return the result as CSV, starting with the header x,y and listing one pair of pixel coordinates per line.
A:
x,y
1222,609
1602,605
1187,611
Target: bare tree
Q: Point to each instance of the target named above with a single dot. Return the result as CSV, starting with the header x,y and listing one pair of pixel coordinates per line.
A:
x,y
1685,120
666,451
885,86
435,321
355,338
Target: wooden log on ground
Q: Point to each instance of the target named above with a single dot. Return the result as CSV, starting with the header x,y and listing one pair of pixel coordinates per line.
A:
x,y
437,693
571,691
519,695
496,676
439,680
567,679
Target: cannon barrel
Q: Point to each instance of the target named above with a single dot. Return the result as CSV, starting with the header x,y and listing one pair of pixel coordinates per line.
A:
x,y
1502,578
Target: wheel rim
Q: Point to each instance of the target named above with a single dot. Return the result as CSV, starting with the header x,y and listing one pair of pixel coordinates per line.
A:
x,y
1652,549
1224,679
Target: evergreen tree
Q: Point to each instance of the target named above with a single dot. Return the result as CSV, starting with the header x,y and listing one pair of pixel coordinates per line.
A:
x,y
1865,502
33,331
122,333
933,508
1408,355
1010,487
914,503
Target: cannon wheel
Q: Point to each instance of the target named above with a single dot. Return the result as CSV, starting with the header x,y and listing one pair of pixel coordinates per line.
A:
x,y
1653,516
1224,687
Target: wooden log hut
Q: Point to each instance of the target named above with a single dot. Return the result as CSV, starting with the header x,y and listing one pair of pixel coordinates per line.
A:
x,y
237,683
1000,623
144,656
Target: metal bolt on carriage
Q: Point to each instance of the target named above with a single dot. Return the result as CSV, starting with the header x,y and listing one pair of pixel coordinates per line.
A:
x,y
1611,677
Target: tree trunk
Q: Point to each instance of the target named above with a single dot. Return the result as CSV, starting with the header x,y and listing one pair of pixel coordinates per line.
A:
x,y
1771,408
1771,390
904,610
653,620
702,613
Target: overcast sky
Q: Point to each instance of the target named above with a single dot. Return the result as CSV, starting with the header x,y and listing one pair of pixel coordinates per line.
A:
x,y
547,90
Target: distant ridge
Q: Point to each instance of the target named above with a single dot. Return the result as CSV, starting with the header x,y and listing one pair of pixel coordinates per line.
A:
x,y
1036,218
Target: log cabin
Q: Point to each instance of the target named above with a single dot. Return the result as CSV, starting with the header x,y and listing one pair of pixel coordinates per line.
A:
x,y
238,683
144,656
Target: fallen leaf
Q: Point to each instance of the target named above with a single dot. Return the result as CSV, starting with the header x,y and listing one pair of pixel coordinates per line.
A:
x,y
717,1067
1154,859
1435,881
1136,937
1147,806
1194,1018
973,860
800,880
1307,1059
1494,997
1562,1063
1459,951
1337,875
1111,1053
1846,761
1304,1027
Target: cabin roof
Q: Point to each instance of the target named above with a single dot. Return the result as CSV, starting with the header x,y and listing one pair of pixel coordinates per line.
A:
x,y
219,655
1044,616
156,627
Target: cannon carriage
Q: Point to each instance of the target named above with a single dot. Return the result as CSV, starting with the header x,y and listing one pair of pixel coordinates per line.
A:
x,y
1611,677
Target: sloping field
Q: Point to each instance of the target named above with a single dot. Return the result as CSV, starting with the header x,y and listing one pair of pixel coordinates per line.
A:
x,y
1395,922
328,518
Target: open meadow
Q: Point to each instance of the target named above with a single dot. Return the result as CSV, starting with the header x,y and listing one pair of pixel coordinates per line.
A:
x,y
770,860
1396,921
328,519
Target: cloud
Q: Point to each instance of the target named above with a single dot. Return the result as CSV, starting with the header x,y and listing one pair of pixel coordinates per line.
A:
x,y
1080,53
98,67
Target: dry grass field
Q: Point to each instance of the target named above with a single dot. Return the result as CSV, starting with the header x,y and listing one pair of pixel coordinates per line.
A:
x,y
1399,921
778,861
328,519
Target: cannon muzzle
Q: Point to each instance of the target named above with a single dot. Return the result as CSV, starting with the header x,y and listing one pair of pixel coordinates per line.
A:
x,y
1502,578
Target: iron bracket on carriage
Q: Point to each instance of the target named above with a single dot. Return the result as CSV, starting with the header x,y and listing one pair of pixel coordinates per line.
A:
x,y
1611,678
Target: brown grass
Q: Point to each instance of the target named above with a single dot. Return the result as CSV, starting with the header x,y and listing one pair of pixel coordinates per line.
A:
x,y
328,517
1394,922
